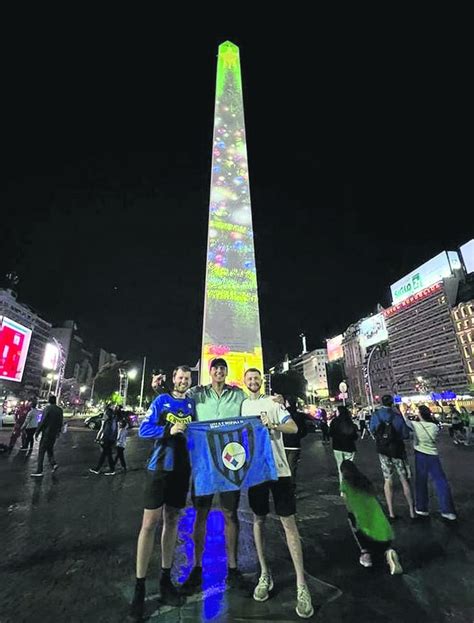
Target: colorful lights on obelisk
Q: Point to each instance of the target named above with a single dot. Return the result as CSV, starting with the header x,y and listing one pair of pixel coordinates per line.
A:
x,y
231,317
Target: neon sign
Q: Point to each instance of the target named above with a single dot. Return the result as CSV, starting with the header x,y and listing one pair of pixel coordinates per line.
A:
x,y
415,298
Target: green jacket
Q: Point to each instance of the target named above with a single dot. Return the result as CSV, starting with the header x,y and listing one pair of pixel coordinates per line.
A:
x,y
368,513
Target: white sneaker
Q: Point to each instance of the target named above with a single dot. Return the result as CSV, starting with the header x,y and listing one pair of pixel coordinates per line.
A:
x,y
263,588
94,471
450,516
422,513
37,475
393,563
304,607
365,559
109,474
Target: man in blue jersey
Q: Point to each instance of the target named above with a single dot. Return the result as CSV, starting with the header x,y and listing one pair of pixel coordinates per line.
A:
x,y
167,485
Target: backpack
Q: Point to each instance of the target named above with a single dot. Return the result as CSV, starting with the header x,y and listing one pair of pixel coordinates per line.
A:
x,y
388,440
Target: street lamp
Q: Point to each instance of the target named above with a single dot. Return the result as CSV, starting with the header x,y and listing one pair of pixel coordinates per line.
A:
x,y
124,376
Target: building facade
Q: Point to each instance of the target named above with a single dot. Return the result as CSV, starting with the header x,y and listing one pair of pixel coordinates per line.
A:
x,y
30,384
424,349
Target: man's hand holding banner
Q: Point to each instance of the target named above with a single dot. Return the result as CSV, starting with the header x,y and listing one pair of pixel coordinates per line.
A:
x,y
227,455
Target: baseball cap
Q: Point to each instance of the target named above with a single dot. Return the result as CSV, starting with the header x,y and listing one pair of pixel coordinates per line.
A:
x,y
218,361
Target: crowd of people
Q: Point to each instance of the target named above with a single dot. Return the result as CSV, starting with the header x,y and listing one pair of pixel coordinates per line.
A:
x,y
168,474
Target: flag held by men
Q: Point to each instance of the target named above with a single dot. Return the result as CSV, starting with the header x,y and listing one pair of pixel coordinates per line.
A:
x,y
227,455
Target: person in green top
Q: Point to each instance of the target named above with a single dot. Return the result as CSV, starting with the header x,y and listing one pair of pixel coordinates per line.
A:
x,y
370,527
216,401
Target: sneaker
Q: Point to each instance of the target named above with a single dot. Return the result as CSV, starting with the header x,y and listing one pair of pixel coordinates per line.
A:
x,y
169,594
263,588
422,513
137,607
393,563
450,516
235,579
193,584
109,474
37,475
365,559
94,471
304,607
55,467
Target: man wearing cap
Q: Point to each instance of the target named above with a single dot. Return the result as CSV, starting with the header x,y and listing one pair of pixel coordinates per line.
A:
x,y
217,401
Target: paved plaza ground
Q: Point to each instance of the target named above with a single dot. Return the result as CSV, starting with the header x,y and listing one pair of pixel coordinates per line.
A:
x,y
68,546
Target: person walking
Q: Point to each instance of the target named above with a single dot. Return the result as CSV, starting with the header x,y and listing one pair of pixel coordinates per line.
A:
x,y
20,415
30,425
428,464
343,433
369,525
107,437
456,428
324,426
121,443
362,423
470,429
49,428
389,429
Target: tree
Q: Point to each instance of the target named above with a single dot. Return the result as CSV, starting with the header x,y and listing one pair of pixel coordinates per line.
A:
x,y
289,383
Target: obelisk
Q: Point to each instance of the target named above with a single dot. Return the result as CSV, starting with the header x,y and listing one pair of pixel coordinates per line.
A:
x,y
231,327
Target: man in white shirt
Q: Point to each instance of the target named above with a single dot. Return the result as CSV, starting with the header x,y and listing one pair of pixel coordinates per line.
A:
x,y
278,421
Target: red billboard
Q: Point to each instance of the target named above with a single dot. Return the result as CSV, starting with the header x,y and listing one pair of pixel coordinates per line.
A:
x,y
14,344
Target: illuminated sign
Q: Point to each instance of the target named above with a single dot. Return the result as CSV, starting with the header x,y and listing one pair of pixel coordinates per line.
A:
x,y
410,300
14,344
432,271
372,331
231,327
51,357
467,252
334,347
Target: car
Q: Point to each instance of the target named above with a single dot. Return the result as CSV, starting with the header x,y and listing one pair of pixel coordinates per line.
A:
x,y
94,422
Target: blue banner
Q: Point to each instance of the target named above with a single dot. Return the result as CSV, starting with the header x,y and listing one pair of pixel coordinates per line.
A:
x,y
228,455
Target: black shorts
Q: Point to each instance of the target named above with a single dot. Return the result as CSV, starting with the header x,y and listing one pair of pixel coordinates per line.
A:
x,y
282,493
229,500
170,488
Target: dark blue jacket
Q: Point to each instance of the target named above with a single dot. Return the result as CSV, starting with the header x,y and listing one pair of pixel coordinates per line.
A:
x,y
383,414
170,451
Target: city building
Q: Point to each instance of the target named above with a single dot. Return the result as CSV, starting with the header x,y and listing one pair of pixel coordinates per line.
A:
x,y
424,350
463,318
78,360
312,367
354,357
25,316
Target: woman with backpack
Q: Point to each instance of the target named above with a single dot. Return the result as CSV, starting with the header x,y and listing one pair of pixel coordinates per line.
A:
x,y
343,432
427,463
107,436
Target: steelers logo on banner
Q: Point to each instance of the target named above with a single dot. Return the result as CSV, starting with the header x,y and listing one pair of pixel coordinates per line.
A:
x,y
233,456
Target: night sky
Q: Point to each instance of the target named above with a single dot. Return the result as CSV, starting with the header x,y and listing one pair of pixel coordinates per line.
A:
x,y
358,174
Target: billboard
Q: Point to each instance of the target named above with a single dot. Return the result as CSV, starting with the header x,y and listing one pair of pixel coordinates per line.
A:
x,y
467,252
334,346
14,344
423,277
372,331
51,357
